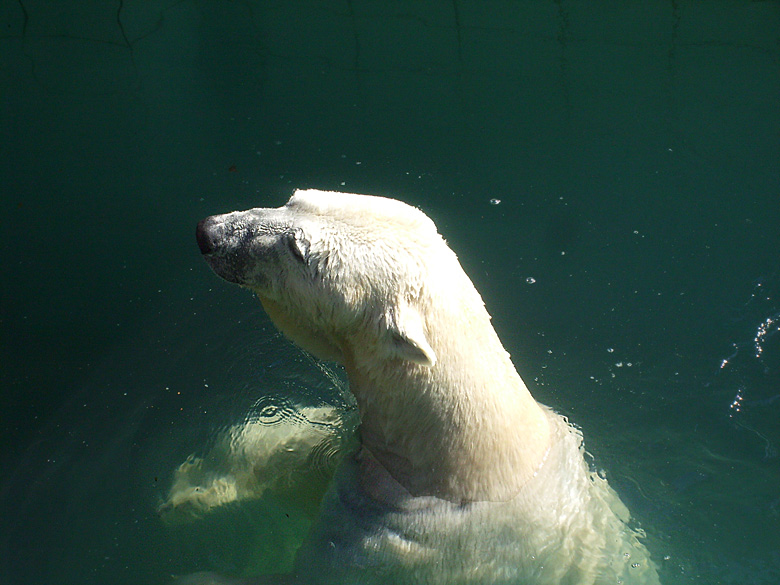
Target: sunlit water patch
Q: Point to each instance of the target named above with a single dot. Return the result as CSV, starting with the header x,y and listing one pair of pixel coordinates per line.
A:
x,y
722,498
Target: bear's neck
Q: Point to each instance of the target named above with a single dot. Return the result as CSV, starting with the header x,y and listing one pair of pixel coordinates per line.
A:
x,y
466,429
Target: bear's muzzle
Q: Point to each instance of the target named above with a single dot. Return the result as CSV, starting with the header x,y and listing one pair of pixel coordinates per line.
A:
x,y
205,236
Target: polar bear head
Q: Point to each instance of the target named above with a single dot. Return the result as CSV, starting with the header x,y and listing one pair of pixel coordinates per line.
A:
x,y
327,265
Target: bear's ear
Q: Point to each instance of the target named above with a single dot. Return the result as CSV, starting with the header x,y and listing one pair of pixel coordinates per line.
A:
x,y
298,245
408,338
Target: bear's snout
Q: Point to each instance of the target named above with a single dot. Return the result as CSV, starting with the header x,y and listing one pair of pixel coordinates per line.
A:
x,y
223,247
204,236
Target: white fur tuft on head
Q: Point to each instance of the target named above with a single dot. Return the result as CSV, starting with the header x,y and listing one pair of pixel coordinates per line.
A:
x,y
354,208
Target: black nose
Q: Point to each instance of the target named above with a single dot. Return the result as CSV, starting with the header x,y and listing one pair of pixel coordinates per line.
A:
x,y
203,235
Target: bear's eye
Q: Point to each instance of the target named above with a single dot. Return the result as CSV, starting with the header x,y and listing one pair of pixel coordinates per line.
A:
x,y
298,245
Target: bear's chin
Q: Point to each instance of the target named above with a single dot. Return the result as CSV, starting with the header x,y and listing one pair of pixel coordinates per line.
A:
x,y
225,269
305,337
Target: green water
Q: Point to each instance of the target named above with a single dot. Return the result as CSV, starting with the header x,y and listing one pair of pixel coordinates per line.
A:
x,y
631,266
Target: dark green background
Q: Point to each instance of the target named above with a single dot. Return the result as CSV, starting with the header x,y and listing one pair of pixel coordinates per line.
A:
x,y
634,148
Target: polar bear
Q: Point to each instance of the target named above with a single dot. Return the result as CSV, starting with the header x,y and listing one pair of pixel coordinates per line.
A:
x,y
461,476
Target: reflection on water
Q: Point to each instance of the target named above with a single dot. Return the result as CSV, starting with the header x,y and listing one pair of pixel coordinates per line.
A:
x,y
752,369
723,475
